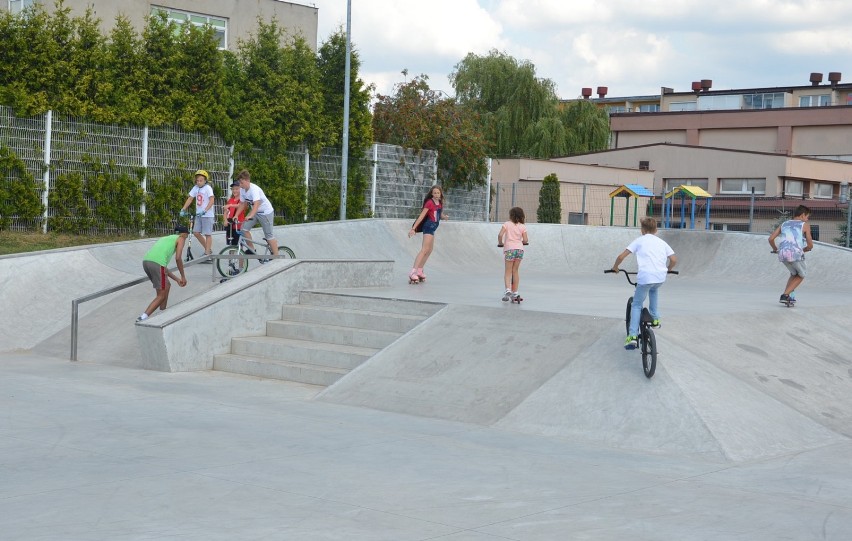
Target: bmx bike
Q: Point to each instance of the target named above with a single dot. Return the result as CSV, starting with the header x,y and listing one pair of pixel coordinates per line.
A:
x,y
647,340
234,266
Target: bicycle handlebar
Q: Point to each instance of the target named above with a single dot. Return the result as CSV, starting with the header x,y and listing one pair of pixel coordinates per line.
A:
x,y
633,273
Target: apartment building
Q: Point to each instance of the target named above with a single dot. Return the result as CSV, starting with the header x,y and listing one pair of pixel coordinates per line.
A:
x,y
231,19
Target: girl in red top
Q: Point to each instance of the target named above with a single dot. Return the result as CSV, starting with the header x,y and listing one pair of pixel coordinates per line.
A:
x,y
427,222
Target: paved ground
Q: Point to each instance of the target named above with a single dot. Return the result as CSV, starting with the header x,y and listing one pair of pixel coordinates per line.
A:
x,y
743,434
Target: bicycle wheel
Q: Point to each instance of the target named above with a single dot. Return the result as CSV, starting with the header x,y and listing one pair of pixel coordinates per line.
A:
x,y
649,352
285,251
229,268
627,317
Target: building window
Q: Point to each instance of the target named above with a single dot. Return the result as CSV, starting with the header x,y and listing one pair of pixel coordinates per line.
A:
x,y
17,6
794,187
616,109
683,106
649,108
772,100
822,190
220,25
717,103
820,100
742,185
671,183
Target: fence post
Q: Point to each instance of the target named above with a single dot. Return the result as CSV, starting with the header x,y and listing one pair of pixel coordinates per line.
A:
x,y
751,211
48,122
374,174
496,202
143,209
583,206
514,185
307,182
488,194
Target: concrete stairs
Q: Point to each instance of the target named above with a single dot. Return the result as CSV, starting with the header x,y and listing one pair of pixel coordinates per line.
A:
x,y
324,337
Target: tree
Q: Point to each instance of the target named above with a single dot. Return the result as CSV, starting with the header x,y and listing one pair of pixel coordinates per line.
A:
x,y
520,112
331,61
418,117
549,204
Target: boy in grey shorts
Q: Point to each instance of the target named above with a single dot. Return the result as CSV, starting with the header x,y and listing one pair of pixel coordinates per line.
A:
x,y
258,209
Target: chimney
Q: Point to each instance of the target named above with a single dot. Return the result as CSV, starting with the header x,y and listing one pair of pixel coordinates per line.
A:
x,y
587,92
816,79
834,77
706,84
696,86
602,90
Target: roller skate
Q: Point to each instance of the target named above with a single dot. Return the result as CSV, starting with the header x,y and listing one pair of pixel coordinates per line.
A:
x,y
413,278
507,295
516,298
421,275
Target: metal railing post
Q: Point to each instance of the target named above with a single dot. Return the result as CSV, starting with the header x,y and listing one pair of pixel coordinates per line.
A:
x,y
488,194
45,198
751,211
74,316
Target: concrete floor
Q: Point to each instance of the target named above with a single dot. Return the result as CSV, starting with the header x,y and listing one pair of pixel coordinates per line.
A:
x,y
742,435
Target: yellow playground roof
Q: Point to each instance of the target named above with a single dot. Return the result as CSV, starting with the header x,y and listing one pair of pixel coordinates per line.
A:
x,y
691,191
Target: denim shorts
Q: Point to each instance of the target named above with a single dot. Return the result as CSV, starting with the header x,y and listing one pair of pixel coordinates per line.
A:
x,y
429,227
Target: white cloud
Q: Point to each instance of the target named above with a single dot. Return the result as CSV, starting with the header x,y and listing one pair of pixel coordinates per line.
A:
x,y
632,47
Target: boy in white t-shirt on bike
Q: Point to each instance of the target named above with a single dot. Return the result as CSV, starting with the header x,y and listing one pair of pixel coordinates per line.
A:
x,y
654,258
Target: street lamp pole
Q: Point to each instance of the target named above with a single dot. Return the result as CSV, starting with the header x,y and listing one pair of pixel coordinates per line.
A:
x,y
344,165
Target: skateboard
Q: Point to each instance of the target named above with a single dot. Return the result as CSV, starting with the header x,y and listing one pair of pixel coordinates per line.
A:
x,y
517,299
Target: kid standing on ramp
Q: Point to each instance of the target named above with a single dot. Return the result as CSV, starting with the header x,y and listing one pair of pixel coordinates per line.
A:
x,y
512,238
427,222
795,241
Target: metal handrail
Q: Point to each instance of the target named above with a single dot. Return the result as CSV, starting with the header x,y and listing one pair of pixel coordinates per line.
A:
x,y
78,301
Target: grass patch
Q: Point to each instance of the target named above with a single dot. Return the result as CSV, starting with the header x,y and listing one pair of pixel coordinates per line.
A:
x,y
17,242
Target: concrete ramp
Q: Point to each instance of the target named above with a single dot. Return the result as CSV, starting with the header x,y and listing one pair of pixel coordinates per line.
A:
x,y
566,376
468,364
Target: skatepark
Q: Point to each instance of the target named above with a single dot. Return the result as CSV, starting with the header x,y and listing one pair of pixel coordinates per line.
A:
x,y
485,421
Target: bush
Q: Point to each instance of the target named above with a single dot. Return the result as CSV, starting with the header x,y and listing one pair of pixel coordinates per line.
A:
x,y
549,205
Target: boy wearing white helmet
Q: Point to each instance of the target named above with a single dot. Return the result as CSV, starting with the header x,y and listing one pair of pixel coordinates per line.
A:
x,y
202,194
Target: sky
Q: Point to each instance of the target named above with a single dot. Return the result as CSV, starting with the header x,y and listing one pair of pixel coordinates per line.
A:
x,y
632,47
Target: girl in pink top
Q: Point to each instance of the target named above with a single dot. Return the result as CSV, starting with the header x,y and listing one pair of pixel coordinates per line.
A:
x,y
512,238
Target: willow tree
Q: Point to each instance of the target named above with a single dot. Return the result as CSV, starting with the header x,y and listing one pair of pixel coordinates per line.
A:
x,y
520,112
510,99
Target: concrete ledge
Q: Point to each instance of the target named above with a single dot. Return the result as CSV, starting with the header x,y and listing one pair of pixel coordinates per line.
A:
x,y
185,337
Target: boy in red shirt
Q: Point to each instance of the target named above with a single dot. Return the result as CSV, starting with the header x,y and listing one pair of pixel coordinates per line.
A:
x,y
231,222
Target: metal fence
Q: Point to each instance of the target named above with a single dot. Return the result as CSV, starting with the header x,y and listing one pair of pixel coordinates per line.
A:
x,y
590,204
54,145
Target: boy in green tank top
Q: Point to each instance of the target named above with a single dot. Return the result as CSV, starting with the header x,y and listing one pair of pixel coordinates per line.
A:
x,y
155,264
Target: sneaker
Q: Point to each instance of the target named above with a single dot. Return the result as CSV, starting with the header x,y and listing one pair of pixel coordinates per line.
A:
x,y
656,324
784,298
507,295
632,342
143,317
792,296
